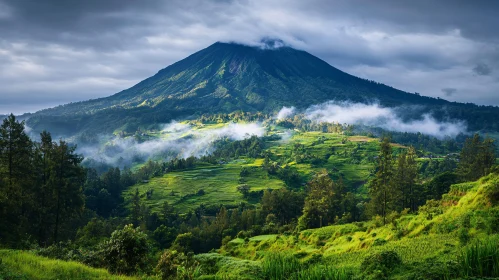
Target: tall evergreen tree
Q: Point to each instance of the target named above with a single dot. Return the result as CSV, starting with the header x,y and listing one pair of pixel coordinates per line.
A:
x,y
381,192
16,177
43,151
319,209
66,182
404,180
476,158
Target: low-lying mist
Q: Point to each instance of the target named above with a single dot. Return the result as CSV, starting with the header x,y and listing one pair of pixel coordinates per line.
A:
x,y
174,140
183,140
378,116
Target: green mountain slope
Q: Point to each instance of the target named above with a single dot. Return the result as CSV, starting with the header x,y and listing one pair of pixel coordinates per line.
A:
x,y
227,77
429,243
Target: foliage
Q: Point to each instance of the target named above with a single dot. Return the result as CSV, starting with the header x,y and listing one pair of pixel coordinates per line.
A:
x,y
476,158
383,196
176,265
126,251
40,186
380,265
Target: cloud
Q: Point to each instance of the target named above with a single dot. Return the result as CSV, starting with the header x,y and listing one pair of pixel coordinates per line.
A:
x,y
54,51
285,112
449,91
176,140
482,69
386,118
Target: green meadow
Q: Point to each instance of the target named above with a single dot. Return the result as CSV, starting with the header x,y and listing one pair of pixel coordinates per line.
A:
x,y
26,265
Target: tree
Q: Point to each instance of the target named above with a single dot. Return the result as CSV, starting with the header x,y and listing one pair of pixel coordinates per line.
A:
x,y
244,189
404,180
16,177
43,154
380,189
126,251
66,182
285,204
319,206
476,158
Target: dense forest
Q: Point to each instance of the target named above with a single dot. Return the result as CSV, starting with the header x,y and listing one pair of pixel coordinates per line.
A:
x,y
57,208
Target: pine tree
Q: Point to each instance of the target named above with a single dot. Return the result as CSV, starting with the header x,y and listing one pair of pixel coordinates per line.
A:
x,y
404,180
43,153
380,189
319,203
16,178
476,158
66,182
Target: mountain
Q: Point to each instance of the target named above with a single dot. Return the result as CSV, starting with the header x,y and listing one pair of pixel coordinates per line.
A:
x,y
227,77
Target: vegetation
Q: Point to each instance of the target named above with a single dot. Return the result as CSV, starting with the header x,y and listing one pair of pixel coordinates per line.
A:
x,y
320,204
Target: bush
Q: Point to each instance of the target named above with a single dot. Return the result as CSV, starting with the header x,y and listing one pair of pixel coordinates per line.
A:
x,y
184,242
379,242
126,251
176,265
380,265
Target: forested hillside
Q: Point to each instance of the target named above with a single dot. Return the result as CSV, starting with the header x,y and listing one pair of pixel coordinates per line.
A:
x,y
303,201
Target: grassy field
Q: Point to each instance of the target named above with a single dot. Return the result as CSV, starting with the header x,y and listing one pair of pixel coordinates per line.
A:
x,y
351,158
218,182
25,265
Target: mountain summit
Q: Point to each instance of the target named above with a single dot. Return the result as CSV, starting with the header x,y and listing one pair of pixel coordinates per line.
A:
x,y
226,77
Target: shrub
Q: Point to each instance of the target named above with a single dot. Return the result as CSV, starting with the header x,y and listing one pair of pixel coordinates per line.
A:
x,y
184,242
126,251
379,242
176,265
380,265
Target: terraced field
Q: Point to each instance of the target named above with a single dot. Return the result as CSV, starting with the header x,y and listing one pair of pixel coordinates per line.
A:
x,y
207,184
349,158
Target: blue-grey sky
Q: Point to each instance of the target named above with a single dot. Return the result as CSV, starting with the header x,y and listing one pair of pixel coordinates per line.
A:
x,y
59,51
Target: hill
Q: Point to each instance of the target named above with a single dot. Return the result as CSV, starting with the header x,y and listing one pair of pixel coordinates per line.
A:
x,y
228,77
429,243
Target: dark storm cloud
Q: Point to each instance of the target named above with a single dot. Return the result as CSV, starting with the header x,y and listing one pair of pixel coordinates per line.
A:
x,y
56,51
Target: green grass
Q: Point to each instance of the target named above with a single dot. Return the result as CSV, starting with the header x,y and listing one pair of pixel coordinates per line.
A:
x,y
282,266
480,259
219,183
26,265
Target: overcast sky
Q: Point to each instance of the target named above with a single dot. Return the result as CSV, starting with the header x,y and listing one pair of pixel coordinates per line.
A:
x,y
57,51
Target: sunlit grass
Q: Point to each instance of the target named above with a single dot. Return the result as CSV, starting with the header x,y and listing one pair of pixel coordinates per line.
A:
x,y
30,266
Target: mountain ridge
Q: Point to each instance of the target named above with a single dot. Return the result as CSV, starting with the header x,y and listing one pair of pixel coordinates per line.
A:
x,y
228,77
